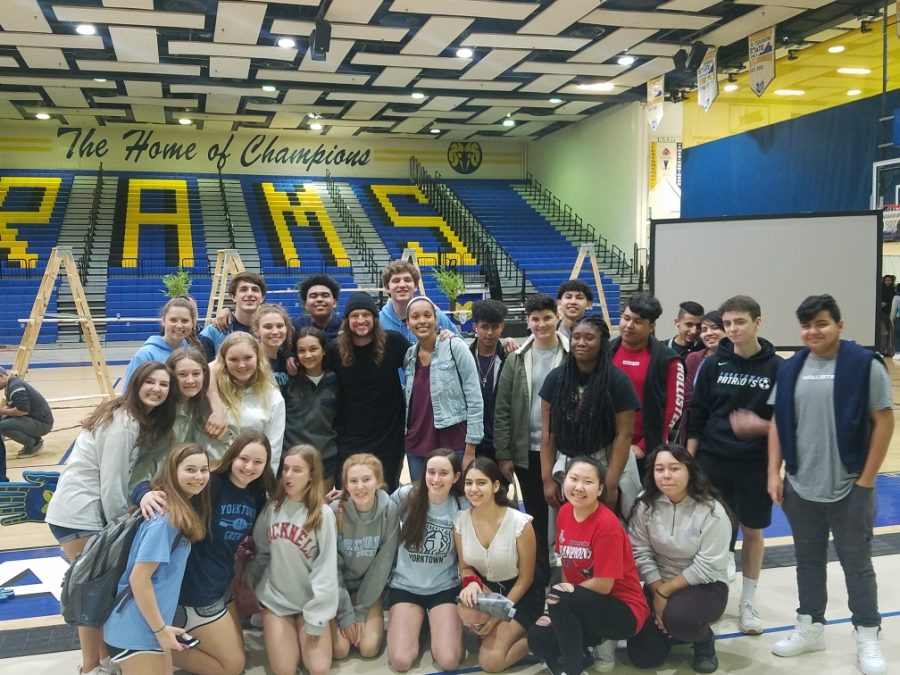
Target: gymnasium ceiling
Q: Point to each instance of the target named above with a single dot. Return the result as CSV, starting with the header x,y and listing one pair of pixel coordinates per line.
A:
x,y
159,61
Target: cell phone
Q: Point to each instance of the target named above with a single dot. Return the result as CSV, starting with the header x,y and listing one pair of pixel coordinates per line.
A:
x,y
187,640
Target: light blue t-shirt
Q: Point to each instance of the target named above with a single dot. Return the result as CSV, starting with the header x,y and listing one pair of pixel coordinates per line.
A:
x,y
127,628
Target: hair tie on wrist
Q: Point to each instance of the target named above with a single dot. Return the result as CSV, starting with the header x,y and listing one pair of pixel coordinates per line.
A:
x,y
469,578
664,597
162,628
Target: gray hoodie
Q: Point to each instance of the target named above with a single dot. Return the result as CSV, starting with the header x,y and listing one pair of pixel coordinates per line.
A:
x,y
367,546
296,570
688,538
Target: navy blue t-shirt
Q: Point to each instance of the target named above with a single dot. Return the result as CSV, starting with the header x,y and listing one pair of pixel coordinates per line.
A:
x,y
210,566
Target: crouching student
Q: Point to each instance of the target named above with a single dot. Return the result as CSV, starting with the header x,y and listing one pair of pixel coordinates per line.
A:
x,y
238,488
426,577
496,547
368,525
680,534
139,631
599,600
296,567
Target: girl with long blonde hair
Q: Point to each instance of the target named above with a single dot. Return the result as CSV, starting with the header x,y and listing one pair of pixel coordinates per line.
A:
x,y
295,567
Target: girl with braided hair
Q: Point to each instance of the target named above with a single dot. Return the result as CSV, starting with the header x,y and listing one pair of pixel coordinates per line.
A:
x,y
588,408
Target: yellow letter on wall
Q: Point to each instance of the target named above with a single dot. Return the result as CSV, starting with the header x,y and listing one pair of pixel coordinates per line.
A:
x,y
179,218
18,249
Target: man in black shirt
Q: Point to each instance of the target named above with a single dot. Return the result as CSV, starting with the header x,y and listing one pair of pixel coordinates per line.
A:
x,y
488,319
687,326
371,406
25,417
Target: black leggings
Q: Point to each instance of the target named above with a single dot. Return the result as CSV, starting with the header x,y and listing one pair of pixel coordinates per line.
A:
x,y
582,617
687,617
536,506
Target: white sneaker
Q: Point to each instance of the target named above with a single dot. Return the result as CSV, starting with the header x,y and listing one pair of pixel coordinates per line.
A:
x,y
896,356
748,619
605,655
806,637
108,667
868,651
95,671
732,568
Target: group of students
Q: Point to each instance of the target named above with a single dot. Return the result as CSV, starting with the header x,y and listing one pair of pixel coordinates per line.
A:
x,y
580,423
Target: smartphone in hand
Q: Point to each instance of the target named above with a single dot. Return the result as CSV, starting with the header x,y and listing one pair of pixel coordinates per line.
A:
x,y
187,640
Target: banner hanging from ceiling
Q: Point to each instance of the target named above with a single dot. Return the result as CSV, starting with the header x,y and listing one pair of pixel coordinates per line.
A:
x,y
655,100
761,67
707,81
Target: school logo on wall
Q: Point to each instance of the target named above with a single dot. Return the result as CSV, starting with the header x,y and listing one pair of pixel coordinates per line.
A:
x,y
464,156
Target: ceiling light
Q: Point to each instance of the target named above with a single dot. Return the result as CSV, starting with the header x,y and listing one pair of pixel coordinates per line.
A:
x,y
85,29
418,95
555,100
854,71
99,79
508,122
789,92
625,60
836,49
286,43
316,126
435,131
731,86
464,53
854,92
268,87
598,86
185,121
43,116
314,115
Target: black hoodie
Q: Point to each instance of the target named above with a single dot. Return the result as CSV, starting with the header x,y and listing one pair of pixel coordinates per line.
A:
x,y
728,382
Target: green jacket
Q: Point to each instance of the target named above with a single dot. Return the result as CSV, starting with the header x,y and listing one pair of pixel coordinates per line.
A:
x,y
512,410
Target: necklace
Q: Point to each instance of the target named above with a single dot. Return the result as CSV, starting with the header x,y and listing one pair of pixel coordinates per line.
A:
x,y
484,374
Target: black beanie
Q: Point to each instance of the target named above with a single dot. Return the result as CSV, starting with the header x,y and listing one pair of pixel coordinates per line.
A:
x,y
360,300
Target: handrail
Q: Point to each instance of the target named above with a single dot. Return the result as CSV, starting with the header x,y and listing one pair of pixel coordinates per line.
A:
x,y
229,225
356,233
24,268
609,255
494,261
152,267
87,243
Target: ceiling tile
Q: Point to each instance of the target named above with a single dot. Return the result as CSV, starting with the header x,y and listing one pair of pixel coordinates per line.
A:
x,y
25,16
180,47
615,43
510,41
230,68
659,20
434,62
129,17
238,22
39,57
489,9
436,35
495,63
352,11
335,56
137,45
545,84
396,77
558,16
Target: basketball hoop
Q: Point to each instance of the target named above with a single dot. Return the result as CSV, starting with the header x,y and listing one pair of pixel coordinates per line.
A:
x,y
889,218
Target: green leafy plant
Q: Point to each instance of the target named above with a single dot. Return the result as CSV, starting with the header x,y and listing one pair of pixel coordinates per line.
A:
x,y
450,283
177,284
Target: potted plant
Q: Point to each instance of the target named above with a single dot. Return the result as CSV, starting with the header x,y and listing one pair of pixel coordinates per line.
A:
x,y
450,283
177,284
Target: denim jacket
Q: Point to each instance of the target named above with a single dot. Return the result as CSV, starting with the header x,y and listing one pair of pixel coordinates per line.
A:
x,y
455,394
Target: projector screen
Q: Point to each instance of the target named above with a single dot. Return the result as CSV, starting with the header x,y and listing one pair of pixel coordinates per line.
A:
x,y
777,260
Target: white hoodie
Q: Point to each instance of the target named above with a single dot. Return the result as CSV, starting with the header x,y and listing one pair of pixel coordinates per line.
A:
x,y
687,538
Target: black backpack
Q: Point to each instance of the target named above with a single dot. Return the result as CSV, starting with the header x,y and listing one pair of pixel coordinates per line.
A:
x,y
89,586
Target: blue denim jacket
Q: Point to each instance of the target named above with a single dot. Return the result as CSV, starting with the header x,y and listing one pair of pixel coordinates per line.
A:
x,y
455,394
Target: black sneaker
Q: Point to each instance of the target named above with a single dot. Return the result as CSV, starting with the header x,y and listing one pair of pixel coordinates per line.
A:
x,y
31,451
705,659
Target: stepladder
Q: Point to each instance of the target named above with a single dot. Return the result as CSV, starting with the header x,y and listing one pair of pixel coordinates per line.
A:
x,y
588,251
228,263
61,257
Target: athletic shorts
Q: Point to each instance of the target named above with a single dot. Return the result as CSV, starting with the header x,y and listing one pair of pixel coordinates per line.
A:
x,y
117,654
426,602
744,485
66,534
190,618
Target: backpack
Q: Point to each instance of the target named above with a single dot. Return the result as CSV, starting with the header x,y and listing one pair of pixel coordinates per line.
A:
x,y
89,586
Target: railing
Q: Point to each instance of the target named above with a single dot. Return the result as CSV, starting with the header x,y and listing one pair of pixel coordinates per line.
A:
x,y
18,268
88,241
368,263
494,261
155,267
295,266
610,256
229,225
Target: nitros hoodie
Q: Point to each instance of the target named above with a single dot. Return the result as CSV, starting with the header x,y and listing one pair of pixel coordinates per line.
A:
x,y
728,382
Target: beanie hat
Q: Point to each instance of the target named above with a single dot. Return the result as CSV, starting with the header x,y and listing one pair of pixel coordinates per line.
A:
x,y
360,300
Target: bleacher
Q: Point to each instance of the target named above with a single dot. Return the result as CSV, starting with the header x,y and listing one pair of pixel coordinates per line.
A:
x,y
31,212
544,254
404,218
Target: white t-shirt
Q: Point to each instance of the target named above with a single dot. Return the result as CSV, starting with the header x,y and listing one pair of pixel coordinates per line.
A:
x,y
500,560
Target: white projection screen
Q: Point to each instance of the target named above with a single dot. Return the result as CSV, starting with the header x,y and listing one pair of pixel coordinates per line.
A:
x,y
778,260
